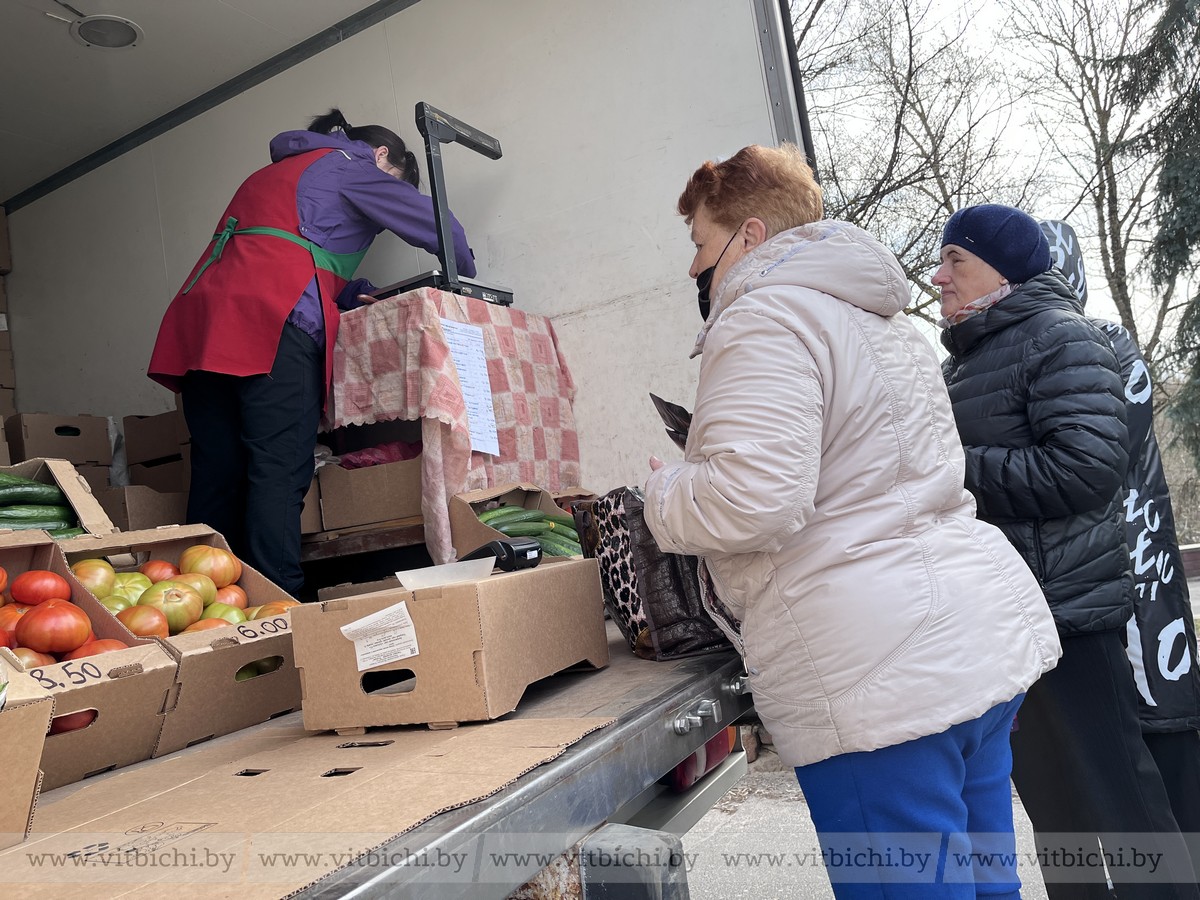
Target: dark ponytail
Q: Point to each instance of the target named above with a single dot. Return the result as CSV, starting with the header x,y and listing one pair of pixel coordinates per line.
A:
x,y
374,136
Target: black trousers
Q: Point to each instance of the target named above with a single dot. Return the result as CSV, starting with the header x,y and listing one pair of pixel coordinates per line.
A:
x,y
252,454
1177,754
1085,774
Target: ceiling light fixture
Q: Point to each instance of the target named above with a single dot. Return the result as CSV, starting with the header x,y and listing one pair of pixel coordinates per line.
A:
x,y
102,32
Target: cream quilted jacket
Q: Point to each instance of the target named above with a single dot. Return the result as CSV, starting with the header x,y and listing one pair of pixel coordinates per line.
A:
x,y
823,485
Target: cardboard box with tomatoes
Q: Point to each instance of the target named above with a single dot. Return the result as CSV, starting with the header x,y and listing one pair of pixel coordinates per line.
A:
x,y
229,630
25,709
111,689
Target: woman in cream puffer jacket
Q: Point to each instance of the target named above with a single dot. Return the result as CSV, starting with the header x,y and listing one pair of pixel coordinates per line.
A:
x,y
823,489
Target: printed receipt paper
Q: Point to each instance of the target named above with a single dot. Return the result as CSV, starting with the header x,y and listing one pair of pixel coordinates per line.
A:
x,y
384,637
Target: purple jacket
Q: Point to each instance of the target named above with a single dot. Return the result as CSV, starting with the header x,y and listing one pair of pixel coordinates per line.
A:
x,y
344,200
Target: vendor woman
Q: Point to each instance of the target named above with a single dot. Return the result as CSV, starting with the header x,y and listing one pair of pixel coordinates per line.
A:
x,y
248,340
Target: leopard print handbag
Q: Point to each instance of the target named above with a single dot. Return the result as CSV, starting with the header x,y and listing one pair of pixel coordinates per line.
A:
x,y
654,597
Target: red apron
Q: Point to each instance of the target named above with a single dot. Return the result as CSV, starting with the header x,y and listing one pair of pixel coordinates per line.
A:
x,y
230,314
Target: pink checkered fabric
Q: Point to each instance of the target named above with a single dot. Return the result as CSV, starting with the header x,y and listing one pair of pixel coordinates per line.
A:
x,y
391,362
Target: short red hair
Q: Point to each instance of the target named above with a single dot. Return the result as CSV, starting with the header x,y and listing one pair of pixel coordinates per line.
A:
x,y
774,184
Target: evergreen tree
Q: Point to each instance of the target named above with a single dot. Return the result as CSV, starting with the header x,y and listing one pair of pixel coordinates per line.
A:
x,y
1167,68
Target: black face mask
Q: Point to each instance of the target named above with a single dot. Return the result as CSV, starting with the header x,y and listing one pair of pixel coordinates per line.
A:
x,y
704,282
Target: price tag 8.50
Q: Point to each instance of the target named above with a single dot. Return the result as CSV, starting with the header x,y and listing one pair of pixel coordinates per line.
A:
x,y
68,674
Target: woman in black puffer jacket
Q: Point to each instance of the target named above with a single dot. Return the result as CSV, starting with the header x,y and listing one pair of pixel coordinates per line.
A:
x,y
1040,409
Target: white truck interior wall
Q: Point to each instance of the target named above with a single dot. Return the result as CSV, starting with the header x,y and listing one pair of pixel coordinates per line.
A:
x,y
603,110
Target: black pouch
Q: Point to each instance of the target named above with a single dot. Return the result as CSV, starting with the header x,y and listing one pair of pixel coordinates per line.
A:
x,y
654,597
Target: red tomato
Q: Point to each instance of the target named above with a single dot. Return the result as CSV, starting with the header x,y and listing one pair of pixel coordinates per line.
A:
x,y
94,648
72,721
31,659
206,625
158,570
145,621
7,639
3,582
38,586
9,615
54,628
219,565
267,610
232,595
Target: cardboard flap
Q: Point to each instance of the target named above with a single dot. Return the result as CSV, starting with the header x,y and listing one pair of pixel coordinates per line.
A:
x,y
292,804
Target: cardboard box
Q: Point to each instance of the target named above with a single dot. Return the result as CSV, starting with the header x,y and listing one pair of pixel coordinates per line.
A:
x,y
478,646
149,438
5,249
371,494
172,475
3,295
210,701
467,533
25,711
87,508
5,459
136,507
96,476
8,374
130,690
310,518
80,439
197,826
8,404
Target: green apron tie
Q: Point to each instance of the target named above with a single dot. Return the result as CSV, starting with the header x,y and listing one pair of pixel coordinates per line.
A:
x,y
340,264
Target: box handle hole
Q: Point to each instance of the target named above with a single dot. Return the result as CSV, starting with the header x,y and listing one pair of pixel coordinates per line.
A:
x,y
337,773
396,681
75,721
365,744
264,666
250,773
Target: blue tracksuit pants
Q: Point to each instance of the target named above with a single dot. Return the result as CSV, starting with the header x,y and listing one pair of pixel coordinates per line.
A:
x,y
929,819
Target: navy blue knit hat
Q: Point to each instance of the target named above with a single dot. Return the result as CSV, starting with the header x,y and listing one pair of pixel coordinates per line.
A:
x,y
1008,240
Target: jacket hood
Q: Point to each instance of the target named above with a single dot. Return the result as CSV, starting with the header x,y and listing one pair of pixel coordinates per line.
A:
x,y
1050,290
832,257
293,143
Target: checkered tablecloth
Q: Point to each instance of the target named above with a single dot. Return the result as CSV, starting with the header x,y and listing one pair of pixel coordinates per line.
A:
x,y
391,362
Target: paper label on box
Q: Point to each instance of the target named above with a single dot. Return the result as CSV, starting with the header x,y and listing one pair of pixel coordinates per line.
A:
x,y
384,637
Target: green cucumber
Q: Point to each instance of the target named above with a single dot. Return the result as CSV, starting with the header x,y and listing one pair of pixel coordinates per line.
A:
x,y
36,511
9,478
62,533
522,529
43,524
521,515
552,547
488,514
561,519
33,492
561,530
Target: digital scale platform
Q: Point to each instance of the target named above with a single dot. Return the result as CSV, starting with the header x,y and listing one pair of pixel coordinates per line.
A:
x,y
438,128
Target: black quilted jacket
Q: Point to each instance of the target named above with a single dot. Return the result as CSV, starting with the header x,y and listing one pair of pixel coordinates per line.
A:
x,y
1040,408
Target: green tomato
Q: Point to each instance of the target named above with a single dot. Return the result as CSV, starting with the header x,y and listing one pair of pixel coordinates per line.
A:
x,y
224,611
126,581
114,603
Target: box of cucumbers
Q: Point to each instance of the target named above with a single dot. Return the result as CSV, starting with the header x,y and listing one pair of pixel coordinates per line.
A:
x,y
555,532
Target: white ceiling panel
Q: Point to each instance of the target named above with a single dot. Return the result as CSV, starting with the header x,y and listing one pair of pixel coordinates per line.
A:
x,y
62,101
